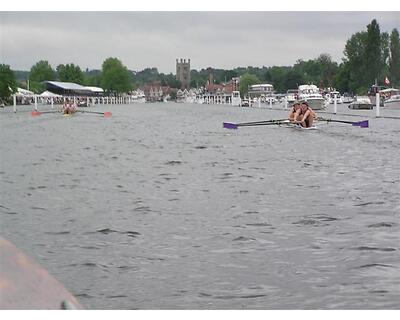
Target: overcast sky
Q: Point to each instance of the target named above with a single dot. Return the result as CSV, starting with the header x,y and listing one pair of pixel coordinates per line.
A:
x,y
155,39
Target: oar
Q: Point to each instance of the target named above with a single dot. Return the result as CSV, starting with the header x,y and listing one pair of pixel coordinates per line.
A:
x,y
38,113
228,125
361,124
105,114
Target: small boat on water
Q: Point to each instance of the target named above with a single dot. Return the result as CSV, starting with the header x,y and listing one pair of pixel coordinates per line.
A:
x,y
391,98
330,97
287,122
346,98
311,95
291,95
361,103
298,126
393,102
245,103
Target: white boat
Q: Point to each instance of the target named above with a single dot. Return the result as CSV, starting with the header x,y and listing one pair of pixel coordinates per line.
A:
x,y
270,100
311,95
361,103
393,102
245,103
200,100
298,126
235,98
291,95
138,96
390,98
347,99
331,97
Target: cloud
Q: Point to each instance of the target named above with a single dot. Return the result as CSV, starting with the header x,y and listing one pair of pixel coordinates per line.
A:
x,y
156,39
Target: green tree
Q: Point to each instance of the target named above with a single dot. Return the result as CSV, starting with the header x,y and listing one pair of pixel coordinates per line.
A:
x,y
373,53
115,76
354,53
147,75
172,95
170,80
92,78
341,78
291,80
8,83
310,70
41,71
328,69
394,59
277,77
70,73
245,81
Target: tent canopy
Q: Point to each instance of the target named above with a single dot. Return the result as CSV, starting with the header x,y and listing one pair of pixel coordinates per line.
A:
x,y
48,94
23,92
95,89
67,88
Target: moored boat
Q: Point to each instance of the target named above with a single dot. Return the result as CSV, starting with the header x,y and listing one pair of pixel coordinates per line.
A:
x,y
393,102
291,95
390,98
331,97
361,103
346,98
311,95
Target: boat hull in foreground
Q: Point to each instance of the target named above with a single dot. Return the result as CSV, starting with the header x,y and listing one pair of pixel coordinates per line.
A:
x,y
24,285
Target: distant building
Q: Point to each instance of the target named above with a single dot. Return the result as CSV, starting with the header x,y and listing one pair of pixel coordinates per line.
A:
x,y
183,73
156,92
224,87
220,93
261,90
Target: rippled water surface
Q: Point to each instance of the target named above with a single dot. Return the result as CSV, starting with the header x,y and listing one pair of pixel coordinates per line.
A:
x,y
159,207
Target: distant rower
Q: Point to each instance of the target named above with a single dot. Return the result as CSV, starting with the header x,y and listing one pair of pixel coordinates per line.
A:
x,y
69,107
302,113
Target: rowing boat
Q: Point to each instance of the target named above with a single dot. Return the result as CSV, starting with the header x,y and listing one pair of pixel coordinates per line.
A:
x,y
106,114
287,123
298,126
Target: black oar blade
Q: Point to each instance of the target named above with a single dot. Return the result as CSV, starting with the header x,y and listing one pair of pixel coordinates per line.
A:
x,y
228,125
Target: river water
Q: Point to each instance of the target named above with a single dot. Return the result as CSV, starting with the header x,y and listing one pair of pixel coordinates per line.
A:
x,y
160,207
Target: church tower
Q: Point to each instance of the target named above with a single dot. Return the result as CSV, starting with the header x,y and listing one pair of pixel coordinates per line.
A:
x,y
183,73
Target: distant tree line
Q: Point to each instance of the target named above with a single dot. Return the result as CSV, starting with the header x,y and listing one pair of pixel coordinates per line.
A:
x,y
369,56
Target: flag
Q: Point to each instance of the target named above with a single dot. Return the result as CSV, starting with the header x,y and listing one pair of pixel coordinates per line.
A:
x,y
387,80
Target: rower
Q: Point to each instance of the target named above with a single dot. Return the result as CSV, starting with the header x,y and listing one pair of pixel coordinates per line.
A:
x,y
302,114
68,107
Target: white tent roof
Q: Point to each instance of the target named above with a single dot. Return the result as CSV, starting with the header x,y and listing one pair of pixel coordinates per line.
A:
x,y
49,94
95,89
24,92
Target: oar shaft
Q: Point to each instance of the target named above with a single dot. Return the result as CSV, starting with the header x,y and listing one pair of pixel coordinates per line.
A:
x,y
362,124
257,122
228,125
264,123
95,112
